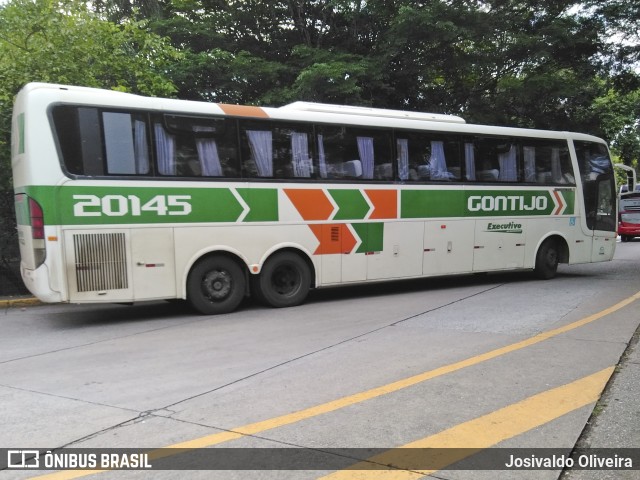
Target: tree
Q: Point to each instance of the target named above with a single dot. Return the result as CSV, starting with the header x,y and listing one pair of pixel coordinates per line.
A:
x,y
622,19
63,42
117,11
510,62
620,116
619,106
543,63
539,63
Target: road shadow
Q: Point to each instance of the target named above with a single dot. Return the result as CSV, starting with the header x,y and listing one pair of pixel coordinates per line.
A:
x,y
179,312
395,287
74,316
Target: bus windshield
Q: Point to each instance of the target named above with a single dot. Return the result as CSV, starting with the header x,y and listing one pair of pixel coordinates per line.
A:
x,y
598,184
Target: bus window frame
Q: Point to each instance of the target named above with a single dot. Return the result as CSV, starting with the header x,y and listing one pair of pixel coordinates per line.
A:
x,y
161,117
352,130
313,128
104,175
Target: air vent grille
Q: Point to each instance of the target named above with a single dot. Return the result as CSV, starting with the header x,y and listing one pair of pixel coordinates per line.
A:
x,y
100,261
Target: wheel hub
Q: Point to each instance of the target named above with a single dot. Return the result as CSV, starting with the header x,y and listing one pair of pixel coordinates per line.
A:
x,y
285,280
217,285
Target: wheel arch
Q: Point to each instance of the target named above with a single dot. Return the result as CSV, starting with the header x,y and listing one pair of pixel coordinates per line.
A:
x,y
227,252
561,242
301,252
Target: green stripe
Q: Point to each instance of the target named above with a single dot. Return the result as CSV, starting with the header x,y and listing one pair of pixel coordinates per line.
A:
x,y
45,196
482,203
431,203
145,205
492,203
569,197
262,202
113,205
372,236
351,204
99,205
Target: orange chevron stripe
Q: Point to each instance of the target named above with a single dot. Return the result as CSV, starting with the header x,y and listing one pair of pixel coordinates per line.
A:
x,y
311,204
385,204
334,239
243,110
561,204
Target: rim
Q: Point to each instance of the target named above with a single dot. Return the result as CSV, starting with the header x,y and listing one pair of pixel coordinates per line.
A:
x,y
217,285
285,280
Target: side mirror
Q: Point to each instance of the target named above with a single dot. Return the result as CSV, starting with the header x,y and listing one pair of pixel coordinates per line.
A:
x,y
631,178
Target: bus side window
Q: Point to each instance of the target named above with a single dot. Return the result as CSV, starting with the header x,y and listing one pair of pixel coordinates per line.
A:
x,y
485,160
496,160
257,153
79,139
276,149
126,146
470,161
346,153
195,146
547,163
333,159
452,151
296,154
414,154
375,152
292,151
428,156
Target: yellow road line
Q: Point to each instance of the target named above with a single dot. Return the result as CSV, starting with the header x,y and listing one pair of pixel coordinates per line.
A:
x,y
289,418
467,438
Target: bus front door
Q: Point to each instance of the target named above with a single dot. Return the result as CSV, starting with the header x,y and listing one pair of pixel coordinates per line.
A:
x,y
600,214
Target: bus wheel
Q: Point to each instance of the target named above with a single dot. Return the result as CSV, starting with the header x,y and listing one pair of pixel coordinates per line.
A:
x,y
625,238
216,285
547,260
284,281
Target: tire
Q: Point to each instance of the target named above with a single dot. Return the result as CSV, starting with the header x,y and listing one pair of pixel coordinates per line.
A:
x,y
547,260
216,285
284,281
626,238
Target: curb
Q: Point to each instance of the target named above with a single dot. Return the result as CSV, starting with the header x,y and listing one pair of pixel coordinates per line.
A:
x,y
19,302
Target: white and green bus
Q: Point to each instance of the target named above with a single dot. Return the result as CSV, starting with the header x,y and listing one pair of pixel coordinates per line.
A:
x,y
124,198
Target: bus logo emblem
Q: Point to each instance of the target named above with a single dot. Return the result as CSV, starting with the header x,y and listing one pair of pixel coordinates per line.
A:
x,y
23,459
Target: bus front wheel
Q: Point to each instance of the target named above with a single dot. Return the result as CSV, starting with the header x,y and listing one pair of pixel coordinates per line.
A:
x,y
284,281
216,285
547,260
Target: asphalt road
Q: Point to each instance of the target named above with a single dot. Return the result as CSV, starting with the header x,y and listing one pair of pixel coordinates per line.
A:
x,y
493,363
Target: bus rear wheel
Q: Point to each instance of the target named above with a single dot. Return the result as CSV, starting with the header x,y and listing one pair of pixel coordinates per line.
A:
x,y
216,285
547,260
284,281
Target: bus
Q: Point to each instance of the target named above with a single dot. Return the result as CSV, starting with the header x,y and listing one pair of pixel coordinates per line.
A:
x,y
629,206
123,198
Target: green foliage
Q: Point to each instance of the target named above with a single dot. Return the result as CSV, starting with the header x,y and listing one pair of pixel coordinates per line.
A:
x,y
532,64
541,64
620,116
63,42
330,76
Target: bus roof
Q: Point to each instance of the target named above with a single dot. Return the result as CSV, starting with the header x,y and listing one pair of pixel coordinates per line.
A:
x,y
297,111
371,112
